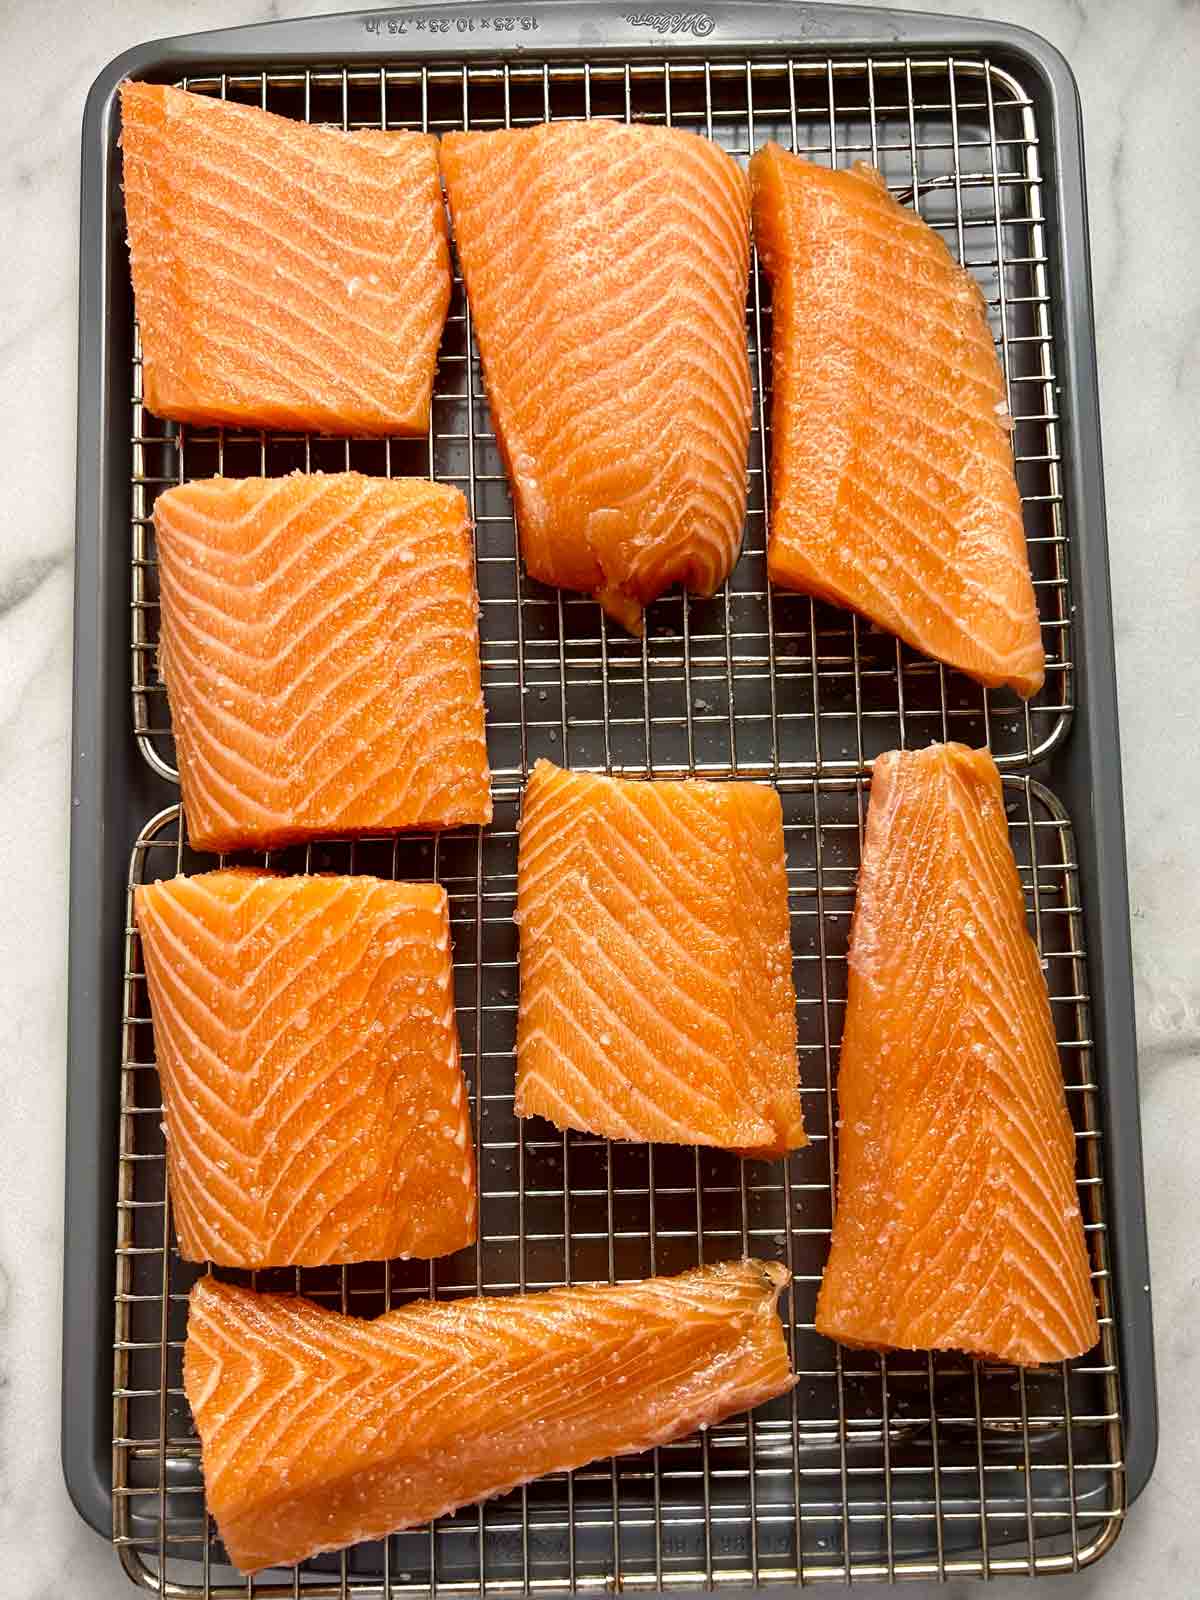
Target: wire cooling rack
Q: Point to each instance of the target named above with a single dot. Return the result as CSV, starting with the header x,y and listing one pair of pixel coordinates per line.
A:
x,y
874,1467
753,682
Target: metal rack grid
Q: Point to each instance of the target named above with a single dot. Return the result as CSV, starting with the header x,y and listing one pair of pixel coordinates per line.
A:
x,y
873,1468
755,682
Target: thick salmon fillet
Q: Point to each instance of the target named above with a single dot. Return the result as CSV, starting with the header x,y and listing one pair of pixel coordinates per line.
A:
x,y
285,276
319,1430
320,647
606,270
958,1223
657,1000
892,487
308,1053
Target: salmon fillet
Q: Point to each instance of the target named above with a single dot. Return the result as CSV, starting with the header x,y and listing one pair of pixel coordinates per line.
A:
x,y
606,270
657,1001
318,1430
285,276
320,647
308,1053
958,1223
892,486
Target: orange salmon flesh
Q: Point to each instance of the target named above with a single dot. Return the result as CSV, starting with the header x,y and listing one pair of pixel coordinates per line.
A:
x,y
307,1046
319,1430
606,269
958,1224
320,648
285,276
892,486
657,1000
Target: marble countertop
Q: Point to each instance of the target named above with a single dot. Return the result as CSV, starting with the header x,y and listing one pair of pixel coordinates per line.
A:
x,y
1137,67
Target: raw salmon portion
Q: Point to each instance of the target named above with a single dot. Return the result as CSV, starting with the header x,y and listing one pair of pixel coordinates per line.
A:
x,y
892,487
318,1430
606,270
308,1053
320,647
656,963
285,276
958,1223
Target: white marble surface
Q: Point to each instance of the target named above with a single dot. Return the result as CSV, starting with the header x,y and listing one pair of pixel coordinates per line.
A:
x,y
1138,67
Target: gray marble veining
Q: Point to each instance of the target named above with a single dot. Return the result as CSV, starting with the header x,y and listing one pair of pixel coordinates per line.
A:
x,y
1138,67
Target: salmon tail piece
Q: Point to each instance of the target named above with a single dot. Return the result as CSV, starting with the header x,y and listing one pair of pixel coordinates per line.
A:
x,y
958,1224
285,276
319,1430
606,267
657,1000
892,484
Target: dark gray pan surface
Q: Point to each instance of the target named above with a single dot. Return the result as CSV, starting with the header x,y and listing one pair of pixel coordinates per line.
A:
x,y
902,1467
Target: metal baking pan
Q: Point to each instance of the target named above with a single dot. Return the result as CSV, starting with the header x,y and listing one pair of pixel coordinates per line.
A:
x,y
875,1468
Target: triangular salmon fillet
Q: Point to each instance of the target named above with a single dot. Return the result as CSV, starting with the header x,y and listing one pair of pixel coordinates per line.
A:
x,y
285,276
958,1223
606,270
320,647
657,1000
308,1053
892,486
319,1430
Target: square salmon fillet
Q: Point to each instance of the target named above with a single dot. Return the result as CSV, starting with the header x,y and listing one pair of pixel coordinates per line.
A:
x,y
657,1000
320,648
308,1051
285,276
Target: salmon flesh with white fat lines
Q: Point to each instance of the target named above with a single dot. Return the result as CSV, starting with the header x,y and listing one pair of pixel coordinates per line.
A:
x,y
307,1046
319,1430
958,1224
320,647
285,276
892,483
606,270
657,1000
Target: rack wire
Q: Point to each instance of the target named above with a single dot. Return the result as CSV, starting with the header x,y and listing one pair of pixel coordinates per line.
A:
x,y
873,1468
754,682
